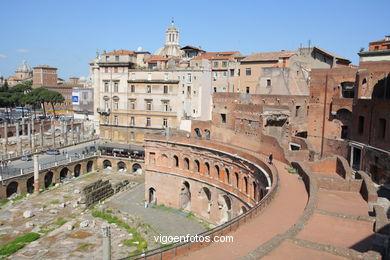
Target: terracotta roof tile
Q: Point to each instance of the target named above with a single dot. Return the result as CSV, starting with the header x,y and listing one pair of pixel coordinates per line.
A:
x,y
269,56
119,52
156,58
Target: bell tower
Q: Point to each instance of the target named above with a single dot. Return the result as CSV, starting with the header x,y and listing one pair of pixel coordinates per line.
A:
x,y
172,35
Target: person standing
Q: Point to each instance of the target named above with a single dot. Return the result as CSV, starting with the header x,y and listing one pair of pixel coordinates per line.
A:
x,y
270,158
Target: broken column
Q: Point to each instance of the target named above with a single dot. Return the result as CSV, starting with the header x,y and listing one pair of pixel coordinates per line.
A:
x,y
106,242
36,173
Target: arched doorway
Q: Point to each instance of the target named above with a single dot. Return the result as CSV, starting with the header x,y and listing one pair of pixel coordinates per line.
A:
x,y
107,164
197,166
77,170
89,166
185,196
225,205
175,161
152,197
137,168
217,174
121,166
198,133
205,196
48,179
12,188
243,210
64,174
30,185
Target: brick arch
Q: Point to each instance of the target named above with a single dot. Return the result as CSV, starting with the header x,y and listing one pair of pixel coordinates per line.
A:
x,y
12,188
207,169
64,173
30,185
48,179
217,171
245,184
89,166
236,180
196,167
163,160
227,176
186,163
77,170
121,166
106,164
205,197
175,161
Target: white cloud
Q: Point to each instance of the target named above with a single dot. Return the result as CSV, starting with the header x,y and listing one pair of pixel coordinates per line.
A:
x,y
22,50
2,56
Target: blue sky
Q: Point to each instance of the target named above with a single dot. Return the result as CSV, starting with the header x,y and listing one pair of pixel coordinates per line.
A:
x,y
67,34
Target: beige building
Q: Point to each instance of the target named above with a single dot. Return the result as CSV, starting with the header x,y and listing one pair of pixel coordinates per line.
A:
x,y
22,73
284,72
136,93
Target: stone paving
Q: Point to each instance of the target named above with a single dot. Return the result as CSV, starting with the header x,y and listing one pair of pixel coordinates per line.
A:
x,y
162,221
69,231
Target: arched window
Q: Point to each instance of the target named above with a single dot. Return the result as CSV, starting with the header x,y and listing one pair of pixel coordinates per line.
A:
x,y
176,161
227,175
207,168
217,172
246,185
186,163
237,181
197,166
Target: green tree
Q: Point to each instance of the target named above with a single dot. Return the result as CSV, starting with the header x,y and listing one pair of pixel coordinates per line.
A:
x,y
54,97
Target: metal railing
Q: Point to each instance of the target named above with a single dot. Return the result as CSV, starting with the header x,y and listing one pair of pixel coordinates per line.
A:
x,y
17,172
171,250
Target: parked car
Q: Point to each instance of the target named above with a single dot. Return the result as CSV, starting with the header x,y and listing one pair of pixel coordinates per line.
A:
x,y
53,152
26,158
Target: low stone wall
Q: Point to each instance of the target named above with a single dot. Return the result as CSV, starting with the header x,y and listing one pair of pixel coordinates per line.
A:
x,y
367,190
96,191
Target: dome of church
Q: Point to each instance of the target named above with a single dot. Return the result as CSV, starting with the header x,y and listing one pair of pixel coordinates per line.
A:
x,y
171,47
23,67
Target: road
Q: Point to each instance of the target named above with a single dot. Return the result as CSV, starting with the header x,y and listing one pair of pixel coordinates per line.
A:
x,y
45,159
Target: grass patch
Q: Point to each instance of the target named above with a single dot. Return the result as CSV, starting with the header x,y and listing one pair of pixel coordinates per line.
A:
x,y
19,197
140,242
85,245
291,170
60,221
3,202
55,202
18,243
45,229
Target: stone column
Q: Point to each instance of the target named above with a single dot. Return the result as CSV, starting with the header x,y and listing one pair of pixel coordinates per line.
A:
x,y
36,173
23,126
29,135
65,133
32,135
82,131
5,144
18,141
41,135
78,134
53,132
106,243
72,126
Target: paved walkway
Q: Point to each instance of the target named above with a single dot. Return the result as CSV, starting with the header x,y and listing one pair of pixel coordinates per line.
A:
x,y
277,218
162,221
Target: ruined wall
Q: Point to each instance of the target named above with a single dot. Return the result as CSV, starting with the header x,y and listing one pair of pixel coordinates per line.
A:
x,y
327,81
95,192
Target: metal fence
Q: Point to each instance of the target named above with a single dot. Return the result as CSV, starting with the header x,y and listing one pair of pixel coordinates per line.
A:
x,y
172,250
9,173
